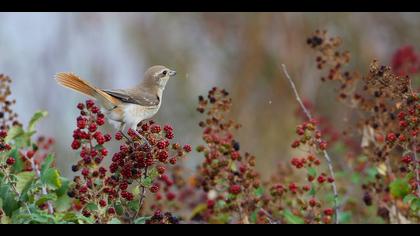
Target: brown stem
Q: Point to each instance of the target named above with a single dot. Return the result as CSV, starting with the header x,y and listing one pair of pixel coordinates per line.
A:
x,y
325,153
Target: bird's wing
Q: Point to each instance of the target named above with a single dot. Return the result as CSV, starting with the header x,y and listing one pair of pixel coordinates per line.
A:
x,y
139,97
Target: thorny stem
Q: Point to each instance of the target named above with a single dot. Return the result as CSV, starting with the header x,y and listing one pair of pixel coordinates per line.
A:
x,y
325,153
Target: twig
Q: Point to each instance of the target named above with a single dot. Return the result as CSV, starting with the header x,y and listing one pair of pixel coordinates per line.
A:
x,y
43,188
325,153
269,216
143,192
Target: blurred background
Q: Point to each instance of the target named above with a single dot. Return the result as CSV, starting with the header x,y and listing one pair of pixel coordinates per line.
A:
x,y
241,52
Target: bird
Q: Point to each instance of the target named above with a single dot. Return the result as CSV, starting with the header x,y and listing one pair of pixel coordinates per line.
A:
x,y
125,107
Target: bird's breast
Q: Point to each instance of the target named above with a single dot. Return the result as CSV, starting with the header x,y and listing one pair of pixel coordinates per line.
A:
x,y
134,114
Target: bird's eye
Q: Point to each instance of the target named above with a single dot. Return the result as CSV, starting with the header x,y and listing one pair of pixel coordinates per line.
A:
x,y
164,72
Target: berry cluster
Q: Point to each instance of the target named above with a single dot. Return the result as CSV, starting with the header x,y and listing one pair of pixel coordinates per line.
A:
x,y
141,164
145,162
227,176
8,117
387,107
87,138
309,135
405,61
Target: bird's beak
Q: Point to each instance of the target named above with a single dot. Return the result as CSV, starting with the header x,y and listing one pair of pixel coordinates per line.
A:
x,y
172,73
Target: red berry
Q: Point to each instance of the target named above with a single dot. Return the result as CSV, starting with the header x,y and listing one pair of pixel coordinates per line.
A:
x,y
329,211
170,196
75,144
168,128
321,179
118,135
102,203
100,121
234,155
235,189
30,154
172,161
92,127
161,169
162,156
104,152
323,145
80,106
89,103
312,202
111,210
155,128
187,148
391,137
154,188
295,144
10,161
161,144
85,172
169,135
107,137
95,109
210,203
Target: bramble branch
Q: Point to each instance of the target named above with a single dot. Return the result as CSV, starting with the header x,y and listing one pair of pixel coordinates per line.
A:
x,y
325,153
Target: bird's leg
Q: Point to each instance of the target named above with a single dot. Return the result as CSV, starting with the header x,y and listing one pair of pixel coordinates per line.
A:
x,y
122,132
142,137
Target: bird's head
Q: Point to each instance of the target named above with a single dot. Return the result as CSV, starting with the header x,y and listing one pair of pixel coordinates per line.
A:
x,y
158,76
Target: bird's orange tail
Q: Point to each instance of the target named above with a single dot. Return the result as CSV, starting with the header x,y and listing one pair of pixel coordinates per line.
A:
x,y
75,83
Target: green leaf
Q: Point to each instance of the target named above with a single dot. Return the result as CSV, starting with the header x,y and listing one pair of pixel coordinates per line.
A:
x,y
13,133
114,221
399,188
44,198
47,163
253,217
63,203
24,179
134,205
92,206
291,218
35,118
142,220
415,205
119,208
345,217
259,192
311,171
153,173
356,178
147,182
408,198
198,209
19,165
51,178
10,204
64,187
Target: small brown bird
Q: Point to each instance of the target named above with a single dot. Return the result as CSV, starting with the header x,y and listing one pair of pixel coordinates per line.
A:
x,y
125,107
